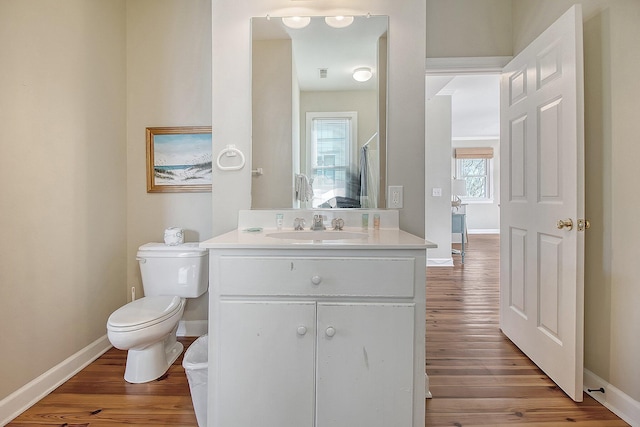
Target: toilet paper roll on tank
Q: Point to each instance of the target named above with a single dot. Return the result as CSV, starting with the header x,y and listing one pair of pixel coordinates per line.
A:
x,y
173,236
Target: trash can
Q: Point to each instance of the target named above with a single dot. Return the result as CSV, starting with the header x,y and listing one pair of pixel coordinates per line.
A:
x,y
195,364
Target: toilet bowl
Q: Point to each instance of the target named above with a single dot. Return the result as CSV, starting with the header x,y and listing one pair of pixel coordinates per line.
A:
x,y
147,329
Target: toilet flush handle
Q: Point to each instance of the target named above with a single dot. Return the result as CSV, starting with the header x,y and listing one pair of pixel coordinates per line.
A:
x,y
141,260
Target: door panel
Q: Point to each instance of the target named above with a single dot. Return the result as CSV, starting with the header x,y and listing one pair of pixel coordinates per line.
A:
x,y
365,362
262,341
542,152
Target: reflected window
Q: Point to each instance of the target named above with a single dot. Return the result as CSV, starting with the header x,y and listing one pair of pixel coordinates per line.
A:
x,y
331,147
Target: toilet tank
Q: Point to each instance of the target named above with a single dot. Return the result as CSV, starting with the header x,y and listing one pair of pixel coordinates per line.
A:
x,y
180,270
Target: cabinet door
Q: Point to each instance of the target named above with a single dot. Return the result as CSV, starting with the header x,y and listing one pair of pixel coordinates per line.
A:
x,y
365,365
265,374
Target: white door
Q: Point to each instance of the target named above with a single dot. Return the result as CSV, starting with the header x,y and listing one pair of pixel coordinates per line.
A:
x,y
365,365
267,349
542,144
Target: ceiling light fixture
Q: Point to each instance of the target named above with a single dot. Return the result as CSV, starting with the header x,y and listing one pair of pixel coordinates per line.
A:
x,y
338,21
296,22
362,74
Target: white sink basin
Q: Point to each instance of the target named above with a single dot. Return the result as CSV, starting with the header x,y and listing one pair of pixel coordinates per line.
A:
x,y
318,235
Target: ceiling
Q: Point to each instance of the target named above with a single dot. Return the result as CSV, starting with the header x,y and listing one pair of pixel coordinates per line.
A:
x,y
475,104
339,51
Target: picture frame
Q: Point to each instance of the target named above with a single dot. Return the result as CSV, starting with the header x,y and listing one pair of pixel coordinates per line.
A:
x,y
179,159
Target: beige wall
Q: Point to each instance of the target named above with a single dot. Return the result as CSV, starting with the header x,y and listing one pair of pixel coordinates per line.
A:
x,y
232,97
272,117
459,28
80,81
63,169
168,84
612,64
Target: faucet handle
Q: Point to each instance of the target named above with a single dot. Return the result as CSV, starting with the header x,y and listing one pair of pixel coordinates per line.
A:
x,y
298,224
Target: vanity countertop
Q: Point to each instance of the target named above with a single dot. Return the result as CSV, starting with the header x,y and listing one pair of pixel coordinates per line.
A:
x,y
384,238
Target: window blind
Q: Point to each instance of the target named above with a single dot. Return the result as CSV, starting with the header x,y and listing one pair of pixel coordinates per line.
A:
x,y
474,153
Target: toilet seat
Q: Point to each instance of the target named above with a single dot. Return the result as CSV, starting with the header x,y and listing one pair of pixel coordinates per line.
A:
x,y
144,312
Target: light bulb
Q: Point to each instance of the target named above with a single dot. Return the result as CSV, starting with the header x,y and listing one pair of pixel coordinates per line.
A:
x,y
362,74
338,21
296,22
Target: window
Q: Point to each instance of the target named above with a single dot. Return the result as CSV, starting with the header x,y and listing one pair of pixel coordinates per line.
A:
x,y
331,147
474,165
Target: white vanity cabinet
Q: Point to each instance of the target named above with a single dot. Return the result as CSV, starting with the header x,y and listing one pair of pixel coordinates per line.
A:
x,y
315,336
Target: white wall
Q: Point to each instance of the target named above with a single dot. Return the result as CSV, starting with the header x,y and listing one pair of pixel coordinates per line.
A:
x,y
168,84
438,175
232,97
63,169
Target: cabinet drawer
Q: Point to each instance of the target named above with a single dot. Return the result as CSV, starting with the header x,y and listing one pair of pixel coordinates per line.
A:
x,y
344,276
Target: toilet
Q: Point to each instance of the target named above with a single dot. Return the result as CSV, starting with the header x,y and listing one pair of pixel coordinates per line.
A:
x,y
147,326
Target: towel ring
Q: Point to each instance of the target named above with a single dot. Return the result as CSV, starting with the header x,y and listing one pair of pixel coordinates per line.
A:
x,y
231,151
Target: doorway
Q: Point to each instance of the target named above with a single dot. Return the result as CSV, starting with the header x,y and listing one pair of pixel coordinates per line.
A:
x,y
463,118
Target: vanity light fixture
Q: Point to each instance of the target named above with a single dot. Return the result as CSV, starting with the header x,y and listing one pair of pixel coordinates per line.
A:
x,y
339,21
296,22
362,74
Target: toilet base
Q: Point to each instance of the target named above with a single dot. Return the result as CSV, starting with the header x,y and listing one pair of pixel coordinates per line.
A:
x,y
153,361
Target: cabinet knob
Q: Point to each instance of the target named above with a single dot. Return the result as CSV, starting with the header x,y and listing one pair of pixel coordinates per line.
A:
x,y
316,280
331,331
302,330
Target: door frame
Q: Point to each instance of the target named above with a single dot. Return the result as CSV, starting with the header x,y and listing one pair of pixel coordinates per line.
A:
x,y
456,67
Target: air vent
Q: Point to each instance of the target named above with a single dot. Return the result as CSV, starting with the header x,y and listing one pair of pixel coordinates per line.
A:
x,y
323,72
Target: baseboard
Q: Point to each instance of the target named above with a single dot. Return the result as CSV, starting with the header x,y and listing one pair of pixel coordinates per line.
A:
x,y
439,262
484,231
32,392
613,398
192,328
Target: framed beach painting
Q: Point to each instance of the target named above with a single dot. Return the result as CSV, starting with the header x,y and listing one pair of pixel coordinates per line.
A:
x,y
179,159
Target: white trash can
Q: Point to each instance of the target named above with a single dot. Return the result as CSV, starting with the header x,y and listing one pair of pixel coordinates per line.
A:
x,y
195,364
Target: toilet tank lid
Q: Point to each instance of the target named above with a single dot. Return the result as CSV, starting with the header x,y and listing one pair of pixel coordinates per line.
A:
x,y
189,249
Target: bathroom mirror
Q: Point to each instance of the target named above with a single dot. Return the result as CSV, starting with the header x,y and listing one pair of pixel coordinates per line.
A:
x,y
319,93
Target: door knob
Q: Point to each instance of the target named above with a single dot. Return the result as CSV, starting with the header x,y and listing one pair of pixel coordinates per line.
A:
x,y
565,223
316,280
331,331
302,330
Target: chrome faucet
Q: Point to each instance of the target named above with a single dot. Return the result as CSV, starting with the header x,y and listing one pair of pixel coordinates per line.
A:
x,y
318,223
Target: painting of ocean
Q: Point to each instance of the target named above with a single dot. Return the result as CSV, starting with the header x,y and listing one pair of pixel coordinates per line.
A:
x,y
182,159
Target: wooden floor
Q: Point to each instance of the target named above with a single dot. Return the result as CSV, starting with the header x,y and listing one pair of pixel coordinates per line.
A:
x,y
478,378
99,396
